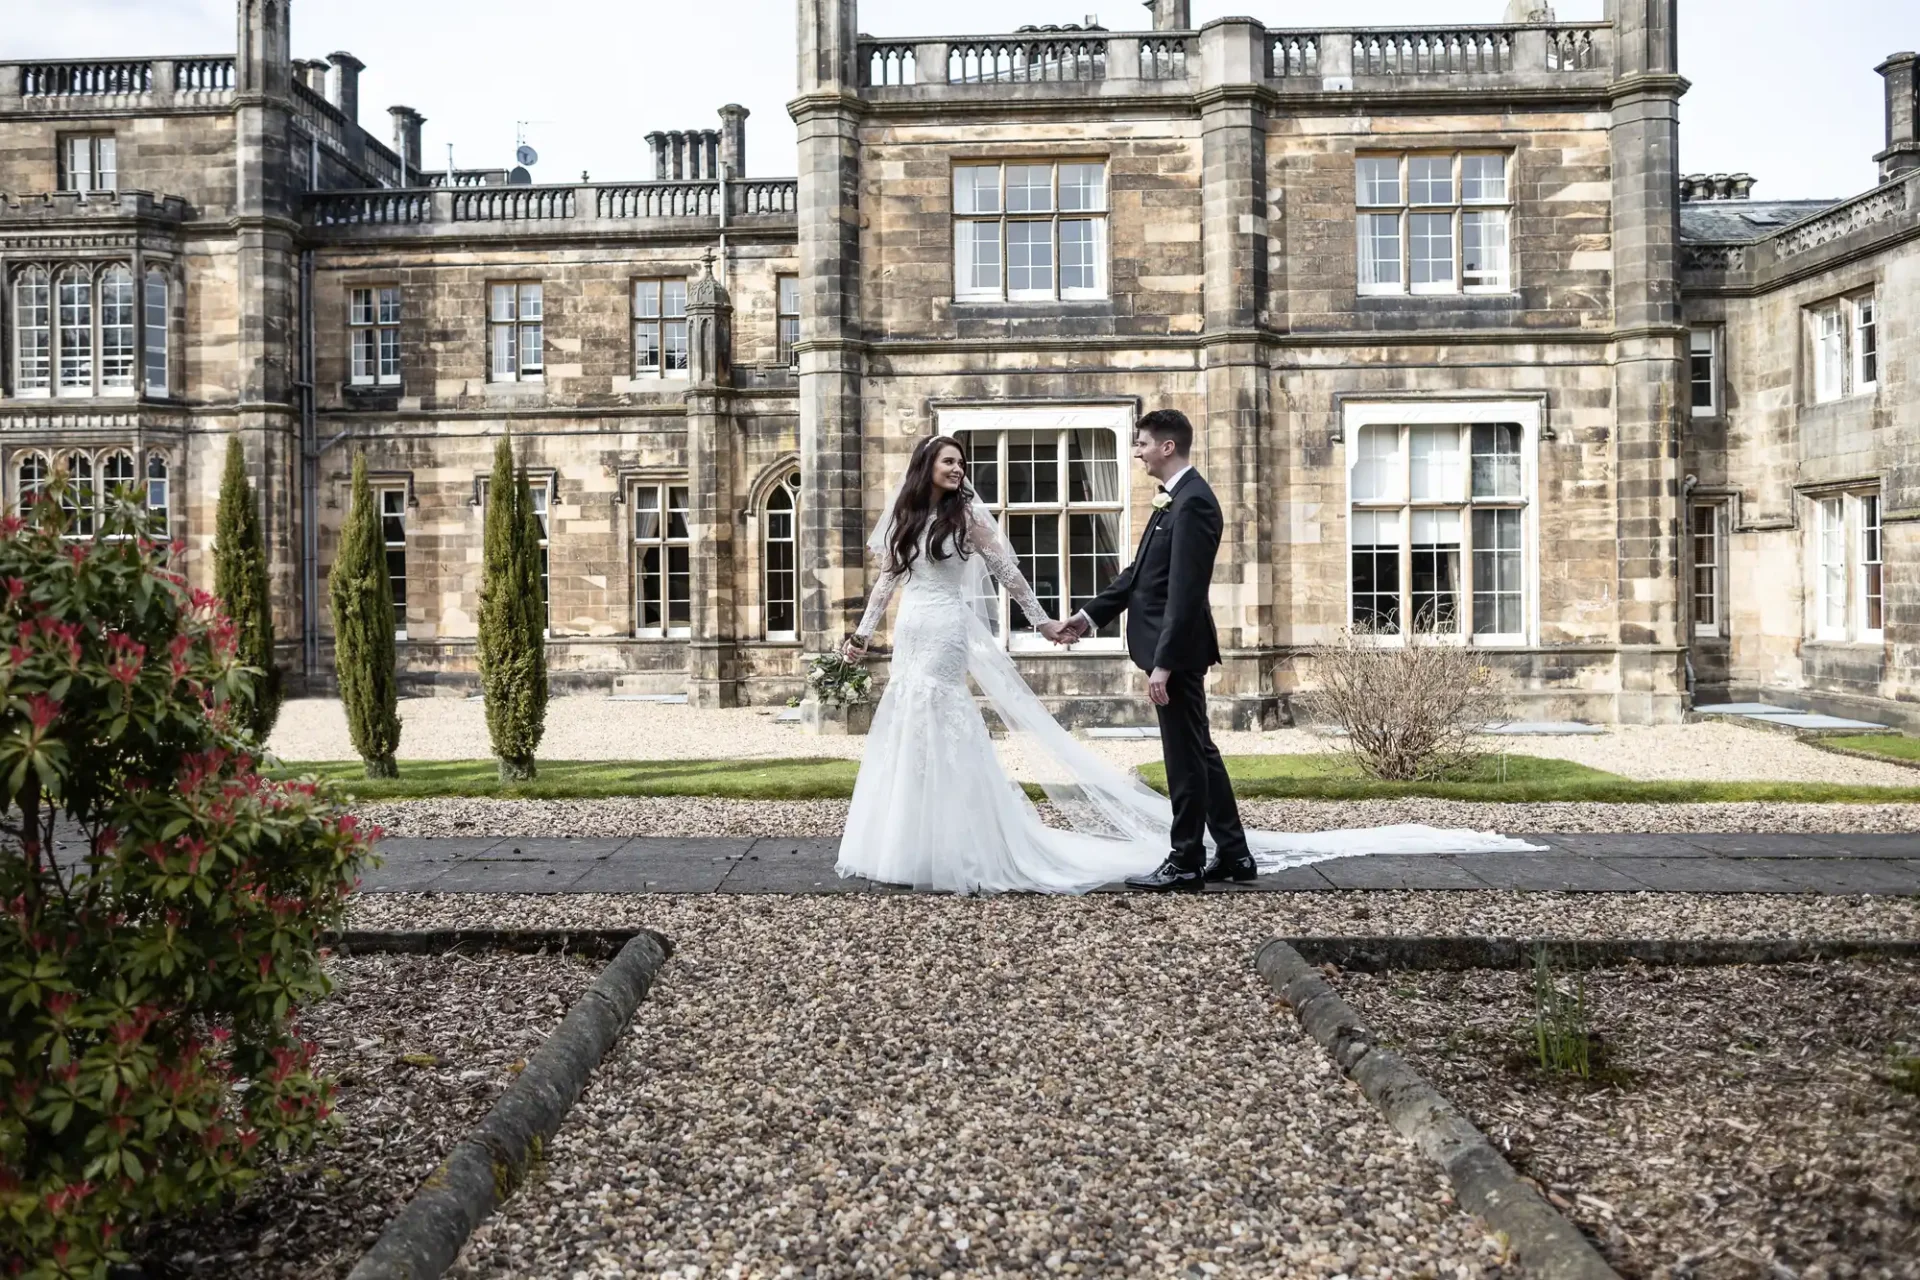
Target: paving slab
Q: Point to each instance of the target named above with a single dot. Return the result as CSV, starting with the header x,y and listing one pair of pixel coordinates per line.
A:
x,y
1696,875
1817,723
436,848
509,877
1623,844
662,873
1546,729
1397,871
1765,845
519,848
1852,875
1548,873
1741,709
1901,845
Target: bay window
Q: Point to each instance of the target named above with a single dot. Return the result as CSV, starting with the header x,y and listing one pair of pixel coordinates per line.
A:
x,y
1054,480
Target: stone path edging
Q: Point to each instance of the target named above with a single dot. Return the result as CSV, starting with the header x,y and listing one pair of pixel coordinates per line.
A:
x,y
1543,1242
488,1165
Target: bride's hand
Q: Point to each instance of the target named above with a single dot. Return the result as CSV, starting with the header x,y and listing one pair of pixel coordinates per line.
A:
x,y
854,649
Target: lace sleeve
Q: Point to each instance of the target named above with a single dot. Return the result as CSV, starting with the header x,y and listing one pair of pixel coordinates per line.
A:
x,y
877,603
984,537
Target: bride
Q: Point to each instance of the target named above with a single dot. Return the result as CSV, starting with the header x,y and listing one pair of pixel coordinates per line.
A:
x,y
932,807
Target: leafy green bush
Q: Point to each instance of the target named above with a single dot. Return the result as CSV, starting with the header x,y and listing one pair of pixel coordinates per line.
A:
x,y
153,961
513,620
361,594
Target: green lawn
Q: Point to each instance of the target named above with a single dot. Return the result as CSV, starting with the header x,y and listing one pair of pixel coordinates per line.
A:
x,y
1892,746
1322,777
1526,778
594,779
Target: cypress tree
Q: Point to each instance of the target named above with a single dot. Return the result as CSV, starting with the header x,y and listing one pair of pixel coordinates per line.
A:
x,y
513,647
363,660
240,580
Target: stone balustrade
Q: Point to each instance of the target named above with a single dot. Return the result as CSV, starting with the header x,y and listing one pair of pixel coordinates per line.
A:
x,y
203,76
89,79
1876,206
1378,60
1814,244
587,207
80,86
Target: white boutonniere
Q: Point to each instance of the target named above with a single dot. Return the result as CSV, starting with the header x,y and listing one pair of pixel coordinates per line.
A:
x,y
1161,501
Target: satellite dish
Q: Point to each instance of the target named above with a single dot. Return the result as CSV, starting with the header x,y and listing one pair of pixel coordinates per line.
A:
x,y
527,155
519,178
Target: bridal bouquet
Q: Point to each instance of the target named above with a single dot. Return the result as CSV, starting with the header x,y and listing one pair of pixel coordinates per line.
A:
x,y
836,681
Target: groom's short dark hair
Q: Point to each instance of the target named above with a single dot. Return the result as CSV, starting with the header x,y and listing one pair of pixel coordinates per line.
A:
x,y
1169,424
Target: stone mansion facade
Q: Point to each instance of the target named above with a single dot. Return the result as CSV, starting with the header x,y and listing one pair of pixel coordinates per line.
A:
x,y
1463,346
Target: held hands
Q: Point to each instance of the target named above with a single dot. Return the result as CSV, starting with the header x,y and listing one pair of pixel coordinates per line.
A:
x,y
1066,633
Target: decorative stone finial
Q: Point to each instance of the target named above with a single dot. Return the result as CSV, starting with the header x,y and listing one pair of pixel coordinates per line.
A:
x,y
706,290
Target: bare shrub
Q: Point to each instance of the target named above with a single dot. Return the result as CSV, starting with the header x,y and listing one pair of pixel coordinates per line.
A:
x,y
1412,706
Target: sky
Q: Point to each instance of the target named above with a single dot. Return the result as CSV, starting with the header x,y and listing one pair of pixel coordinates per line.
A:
x,y
1793,101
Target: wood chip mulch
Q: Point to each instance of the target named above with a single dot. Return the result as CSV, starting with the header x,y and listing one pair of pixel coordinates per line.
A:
x,y
1747,1122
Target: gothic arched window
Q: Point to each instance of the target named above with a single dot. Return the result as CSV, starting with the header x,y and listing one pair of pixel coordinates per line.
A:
x,y
782,560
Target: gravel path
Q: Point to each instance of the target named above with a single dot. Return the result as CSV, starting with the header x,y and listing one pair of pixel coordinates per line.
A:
x,y
930,1087
421,1046
597,728
1754,1130
1249,918
696,816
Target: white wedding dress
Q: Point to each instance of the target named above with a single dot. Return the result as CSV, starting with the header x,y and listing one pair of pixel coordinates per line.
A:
x,y
932,807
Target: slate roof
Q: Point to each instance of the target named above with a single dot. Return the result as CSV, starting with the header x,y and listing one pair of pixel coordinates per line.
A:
x,y
1723,221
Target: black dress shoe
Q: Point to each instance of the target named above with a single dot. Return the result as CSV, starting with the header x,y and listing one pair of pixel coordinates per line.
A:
x,y
1169,877
1240,870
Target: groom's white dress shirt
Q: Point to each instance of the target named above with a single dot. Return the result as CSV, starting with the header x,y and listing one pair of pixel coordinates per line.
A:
x,y
1173,482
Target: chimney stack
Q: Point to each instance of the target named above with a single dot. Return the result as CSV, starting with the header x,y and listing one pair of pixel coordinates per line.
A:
x,y
312,74
733,140
1902,155
658,141
406,138
1171,15
346,84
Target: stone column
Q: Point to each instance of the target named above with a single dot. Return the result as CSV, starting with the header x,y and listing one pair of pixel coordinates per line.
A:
x,y
1903,146
833,513
713,655
1650,353
733,140
266,265
1229,443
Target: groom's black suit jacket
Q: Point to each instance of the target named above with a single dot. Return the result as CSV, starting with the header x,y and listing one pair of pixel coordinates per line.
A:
x,y
1164,590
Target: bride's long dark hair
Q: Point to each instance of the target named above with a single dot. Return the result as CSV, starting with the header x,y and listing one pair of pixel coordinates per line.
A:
x,y
924,508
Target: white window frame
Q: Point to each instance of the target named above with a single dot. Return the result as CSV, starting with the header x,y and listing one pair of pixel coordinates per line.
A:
x,y
656,587
159,491
540,484
1846,560
1372,203
1864,334
786,303
83,487
32,313
662,328
373,335
1406,415
1714,536
966,422
1831,578
1869,567
390,502
89,162
1703,343
972,220
516,321
17,479
787,488
155,366
1844,334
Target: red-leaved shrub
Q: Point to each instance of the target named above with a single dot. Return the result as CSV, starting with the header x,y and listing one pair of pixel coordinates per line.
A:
x,y
161,903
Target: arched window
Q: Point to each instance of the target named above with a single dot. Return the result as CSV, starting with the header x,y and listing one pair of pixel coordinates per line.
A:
x,y
157,495
782,559
32,332
158,314
117,474
80,498
75,302
116,329
31,473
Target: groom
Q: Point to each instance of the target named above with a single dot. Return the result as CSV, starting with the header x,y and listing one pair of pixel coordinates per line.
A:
x,y
1170,636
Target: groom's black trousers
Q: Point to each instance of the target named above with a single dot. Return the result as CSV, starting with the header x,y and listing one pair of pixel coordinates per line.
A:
x,y
1196,776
